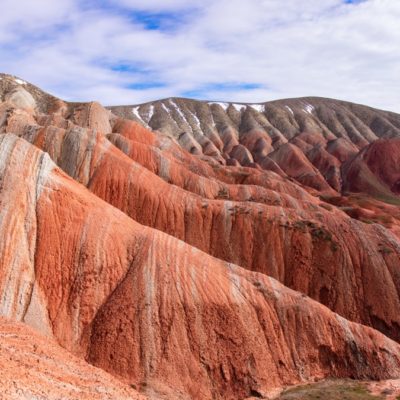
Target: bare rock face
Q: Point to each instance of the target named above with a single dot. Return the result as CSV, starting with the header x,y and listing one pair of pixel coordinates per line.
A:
x,y
155,311
339,128
21,98
260,222
238,249
93,116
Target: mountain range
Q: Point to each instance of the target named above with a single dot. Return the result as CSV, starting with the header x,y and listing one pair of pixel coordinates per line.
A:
x,y
185,249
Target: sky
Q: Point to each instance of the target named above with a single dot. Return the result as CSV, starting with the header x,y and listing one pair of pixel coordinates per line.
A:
x,y
134,51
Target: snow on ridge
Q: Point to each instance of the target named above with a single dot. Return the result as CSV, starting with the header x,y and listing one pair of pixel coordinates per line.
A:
x,y
308,108
181,114
165,108
151,113
290,110
189,112
178,110
223,105
135,111
196,119
19,81
258,107
238,106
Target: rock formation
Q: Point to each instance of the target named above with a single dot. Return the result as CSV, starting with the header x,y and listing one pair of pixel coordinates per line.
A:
x,y
154,256
297,132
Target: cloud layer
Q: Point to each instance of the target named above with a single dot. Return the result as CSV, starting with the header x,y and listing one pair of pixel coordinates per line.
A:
x,y
132,51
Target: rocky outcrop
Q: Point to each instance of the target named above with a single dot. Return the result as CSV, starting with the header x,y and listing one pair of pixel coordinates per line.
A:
x,y
265,224
157,312
250,132
221,259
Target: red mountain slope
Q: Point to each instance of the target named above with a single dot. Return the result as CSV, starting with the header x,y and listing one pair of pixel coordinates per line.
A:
x,y
149,308
130,257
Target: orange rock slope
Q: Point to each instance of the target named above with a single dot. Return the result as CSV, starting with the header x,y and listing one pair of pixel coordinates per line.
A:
x,y
155,311
129,257
273,226
35,367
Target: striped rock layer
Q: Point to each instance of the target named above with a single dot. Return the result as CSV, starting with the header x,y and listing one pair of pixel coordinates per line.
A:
x,y
188,275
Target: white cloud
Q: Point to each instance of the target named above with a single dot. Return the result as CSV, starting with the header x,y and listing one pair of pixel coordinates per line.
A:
x,y
289,49
160,5
20,17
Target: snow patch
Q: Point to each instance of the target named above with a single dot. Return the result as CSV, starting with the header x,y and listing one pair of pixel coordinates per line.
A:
x,y
151,112
308,108
135,111
290,110
165,108
258,107
181,114
223,105
196,119
238,107
178,110
20,81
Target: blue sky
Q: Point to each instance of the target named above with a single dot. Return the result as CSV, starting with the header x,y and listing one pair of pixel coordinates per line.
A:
x,y
133,51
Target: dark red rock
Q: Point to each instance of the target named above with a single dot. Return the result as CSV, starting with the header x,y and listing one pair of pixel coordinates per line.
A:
x,y
376,169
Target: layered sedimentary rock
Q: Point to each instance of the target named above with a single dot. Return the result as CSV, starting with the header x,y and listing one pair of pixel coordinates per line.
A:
x,y
297,132
156,311
274,227
203,273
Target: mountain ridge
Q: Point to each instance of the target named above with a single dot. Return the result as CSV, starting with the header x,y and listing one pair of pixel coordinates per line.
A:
x,y
279,100
135,253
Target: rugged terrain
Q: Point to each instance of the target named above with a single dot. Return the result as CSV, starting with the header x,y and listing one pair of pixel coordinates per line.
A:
x,y
306,139
198,250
